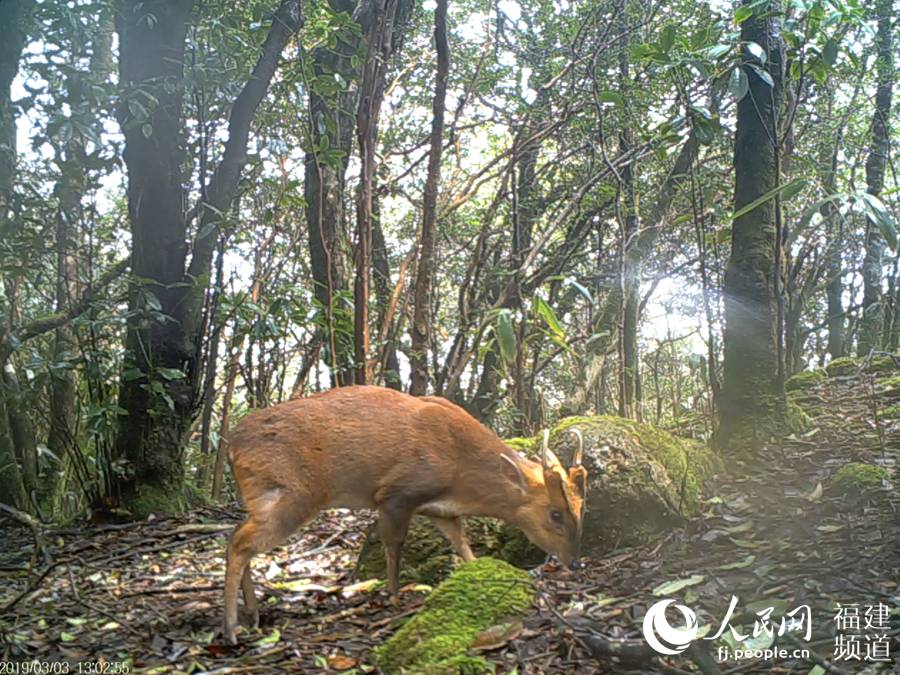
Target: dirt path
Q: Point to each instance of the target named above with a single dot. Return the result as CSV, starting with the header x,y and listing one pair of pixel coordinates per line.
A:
x,y
774,535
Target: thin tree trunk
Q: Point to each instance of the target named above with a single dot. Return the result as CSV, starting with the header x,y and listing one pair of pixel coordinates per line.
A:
x,y
380,47
420,330
872,323
381,278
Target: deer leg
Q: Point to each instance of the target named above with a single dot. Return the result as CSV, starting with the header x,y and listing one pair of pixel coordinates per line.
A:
x,y
273,518
250,598
393,522
453,529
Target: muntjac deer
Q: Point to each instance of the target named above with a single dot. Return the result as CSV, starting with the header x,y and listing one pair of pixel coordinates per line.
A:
x,y
376,448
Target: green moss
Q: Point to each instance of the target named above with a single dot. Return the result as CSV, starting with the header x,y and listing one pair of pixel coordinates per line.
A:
x,y
475,597
844,365
523,444
881,364
796,420
848,365
857,478
158,500
890,384
891,412
687,462
641,480
805,380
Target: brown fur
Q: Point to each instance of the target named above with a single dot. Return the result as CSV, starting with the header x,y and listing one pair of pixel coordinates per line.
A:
x,y
370,447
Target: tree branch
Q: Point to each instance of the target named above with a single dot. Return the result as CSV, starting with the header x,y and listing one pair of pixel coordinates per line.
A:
x,y
53,321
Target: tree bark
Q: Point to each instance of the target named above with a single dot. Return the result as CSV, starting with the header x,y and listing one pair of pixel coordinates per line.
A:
x,y
420,330
750,392
834,285
872,321
14,17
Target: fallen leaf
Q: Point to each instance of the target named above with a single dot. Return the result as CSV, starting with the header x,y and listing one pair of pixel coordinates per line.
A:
x,y
497,636
342,662
670,587
816,494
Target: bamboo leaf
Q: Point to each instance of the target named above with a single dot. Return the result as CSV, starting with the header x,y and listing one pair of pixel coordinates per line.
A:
x,y
542,309
771,194
506,336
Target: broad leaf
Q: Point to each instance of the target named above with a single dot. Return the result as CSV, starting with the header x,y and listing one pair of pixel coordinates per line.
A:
x,y
506,336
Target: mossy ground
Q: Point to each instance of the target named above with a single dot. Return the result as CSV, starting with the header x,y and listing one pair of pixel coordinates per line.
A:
x,y
856,478
805,379
475,597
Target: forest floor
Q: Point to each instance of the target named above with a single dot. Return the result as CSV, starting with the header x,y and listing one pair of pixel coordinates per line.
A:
x,y
772,535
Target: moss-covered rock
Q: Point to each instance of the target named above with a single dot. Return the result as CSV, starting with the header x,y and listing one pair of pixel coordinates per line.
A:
x,y
856,478
436,640
428,557
883,363
641,479
848,365
805,379
844,365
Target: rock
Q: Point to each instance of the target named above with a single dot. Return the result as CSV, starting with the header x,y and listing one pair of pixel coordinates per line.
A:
x,y
436,640
856,479
641,480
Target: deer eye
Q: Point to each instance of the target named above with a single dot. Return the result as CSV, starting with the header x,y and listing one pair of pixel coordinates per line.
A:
x,y
556,517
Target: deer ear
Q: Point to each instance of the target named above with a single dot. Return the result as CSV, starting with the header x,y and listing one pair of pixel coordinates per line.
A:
x,y
513,472
578,478
554,483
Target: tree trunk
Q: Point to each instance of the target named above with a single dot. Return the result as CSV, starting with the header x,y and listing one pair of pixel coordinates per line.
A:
x,y
159,402
15,16
872,322
834,285
420,330
380,42
163,362
751,399
331,126
630,269
381,278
